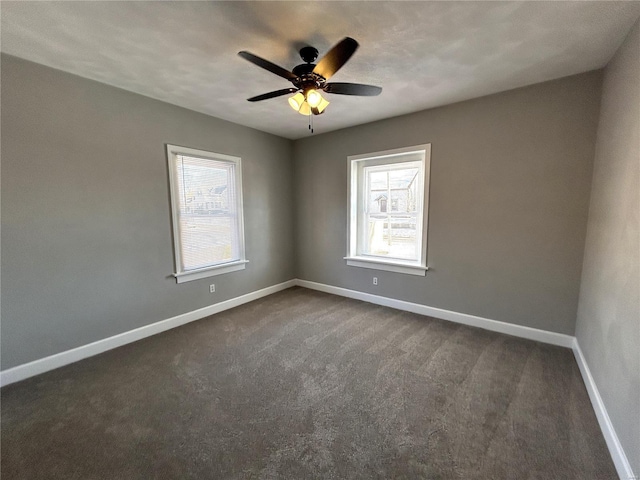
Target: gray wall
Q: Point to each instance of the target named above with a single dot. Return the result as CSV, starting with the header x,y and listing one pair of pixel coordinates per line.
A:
x,y
608,326
86,231
510,181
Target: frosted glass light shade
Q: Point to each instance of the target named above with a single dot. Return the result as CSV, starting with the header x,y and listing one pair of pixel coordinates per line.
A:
x,y
296,101
313,98
305,109
322,105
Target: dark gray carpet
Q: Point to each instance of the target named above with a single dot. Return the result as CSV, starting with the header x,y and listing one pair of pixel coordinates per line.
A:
x,y
305,385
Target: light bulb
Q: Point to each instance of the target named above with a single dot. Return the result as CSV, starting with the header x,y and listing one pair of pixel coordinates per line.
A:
x,y
296,101
313,98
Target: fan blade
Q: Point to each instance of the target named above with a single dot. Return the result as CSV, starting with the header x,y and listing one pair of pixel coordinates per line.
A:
x,y
336,57
352,89
267,65
277,93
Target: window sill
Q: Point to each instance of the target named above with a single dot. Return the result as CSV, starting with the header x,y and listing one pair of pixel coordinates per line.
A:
x,y
210,271
389,266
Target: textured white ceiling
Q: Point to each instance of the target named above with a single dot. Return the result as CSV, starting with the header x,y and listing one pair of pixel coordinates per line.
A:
x,y
423,54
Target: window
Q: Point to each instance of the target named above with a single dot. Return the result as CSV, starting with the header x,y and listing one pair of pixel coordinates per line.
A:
x,y
388,194
206,204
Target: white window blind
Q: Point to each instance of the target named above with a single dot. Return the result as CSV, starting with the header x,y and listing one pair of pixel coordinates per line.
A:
x,y
207,212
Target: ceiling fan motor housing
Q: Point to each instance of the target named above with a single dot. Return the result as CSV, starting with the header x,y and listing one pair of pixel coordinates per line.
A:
x,y
306,78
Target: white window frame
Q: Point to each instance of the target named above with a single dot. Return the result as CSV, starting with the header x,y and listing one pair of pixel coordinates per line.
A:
x,y
188,275
356,164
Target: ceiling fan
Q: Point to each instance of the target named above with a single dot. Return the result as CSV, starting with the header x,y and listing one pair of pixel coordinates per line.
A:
x,y
309,79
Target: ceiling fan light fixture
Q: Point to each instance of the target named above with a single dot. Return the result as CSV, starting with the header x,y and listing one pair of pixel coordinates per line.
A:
x,y
313,98
297,101
309,79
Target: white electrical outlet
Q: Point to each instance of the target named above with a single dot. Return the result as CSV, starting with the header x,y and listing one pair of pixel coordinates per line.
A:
x,y
375,280
212,288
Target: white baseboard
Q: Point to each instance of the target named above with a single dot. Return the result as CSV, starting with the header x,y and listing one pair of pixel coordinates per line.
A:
x,y
620,460
42,365
46,364
466,319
